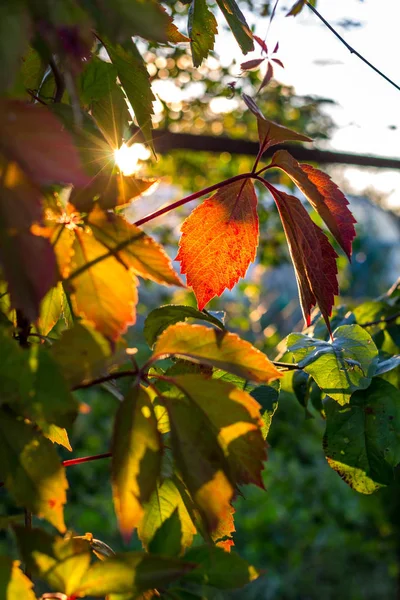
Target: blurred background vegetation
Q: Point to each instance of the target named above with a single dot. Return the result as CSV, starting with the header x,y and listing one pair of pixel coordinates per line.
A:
x,y
312,535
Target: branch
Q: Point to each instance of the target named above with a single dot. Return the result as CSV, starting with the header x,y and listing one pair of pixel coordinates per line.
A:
x,y
110,377
388,319
351,50
286,366
59,80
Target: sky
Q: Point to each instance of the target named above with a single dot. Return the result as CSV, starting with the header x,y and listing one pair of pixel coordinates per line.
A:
x,y
367,112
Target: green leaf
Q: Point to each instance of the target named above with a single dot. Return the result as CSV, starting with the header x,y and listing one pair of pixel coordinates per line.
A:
x,y
219,349
31,469
164,316
55,434
202,27
165,501
218,568
51,309
238,24
136,458
61,562
132,573
267,396
135,80
168,538
362,439
340,367
14,38
13,583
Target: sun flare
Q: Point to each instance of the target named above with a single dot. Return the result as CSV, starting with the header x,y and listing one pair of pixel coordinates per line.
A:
x,y
127,157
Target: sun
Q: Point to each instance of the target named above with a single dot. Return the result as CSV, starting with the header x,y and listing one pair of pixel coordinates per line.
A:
x,y
127,157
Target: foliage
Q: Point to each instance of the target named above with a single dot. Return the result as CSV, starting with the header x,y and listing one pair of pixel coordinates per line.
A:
x,y
192,417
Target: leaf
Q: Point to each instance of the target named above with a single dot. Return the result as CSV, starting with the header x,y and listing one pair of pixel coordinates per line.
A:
x,y
174,36
28,260
267,77
135,80
13,583
51,309
131,573
14,37
57,435
261,43
168,538
251,64
165,501
235,415
136,458
82,353
223,535
313,257
34,138
202,27
323,195
164,316
219,349
219,569
296,8
271,133
362,441
105,293
219,241
237,24
133,248
31,469
267,396
61,562
129,188
339,367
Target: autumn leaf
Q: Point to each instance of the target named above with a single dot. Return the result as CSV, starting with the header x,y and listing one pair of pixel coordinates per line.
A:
x,y
105,293
267,77
13,582
220,349
136,458
271,133
323,195
34,138
219,240
313,257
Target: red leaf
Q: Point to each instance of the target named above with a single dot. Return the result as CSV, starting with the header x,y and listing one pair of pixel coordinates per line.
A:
x,y
251,64
313,257
324,196
33,137
278,62
261,43
267,78
276,48
219,240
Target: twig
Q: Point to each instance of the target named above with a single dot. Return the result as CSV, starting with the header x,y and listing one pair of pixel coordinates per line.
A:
x,y
35,97
350,48
286,366
388,319
110,377
59,81
78,461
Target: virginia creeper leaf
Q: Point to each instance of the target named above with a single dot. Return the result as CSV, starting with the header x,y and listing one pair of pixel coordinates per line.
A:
x,y
271,133
51,309
31,469
168,537
219,241
13,582
238,25
132,573
135,80
339,367
223,535
235,415
165,501
267,396
313,257
267,77
61,562
220,349
164,316
27,259
33,137
106,292
251,64
202,27
362,441
133,248
136,458
323,195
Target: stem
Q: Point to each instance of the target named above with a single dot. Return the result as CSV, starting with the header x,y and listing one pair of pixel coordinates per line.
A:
x,y
35,97
110,377
388,319
59,80
286,366
78,461
24,329
351,50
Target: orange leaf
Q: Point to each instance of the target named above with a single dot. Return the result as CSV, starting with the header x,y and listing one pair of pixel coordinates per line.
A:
x,y
313,257
271,133
33,137
220,349
323,195
105,293
136,250
219,240
223,535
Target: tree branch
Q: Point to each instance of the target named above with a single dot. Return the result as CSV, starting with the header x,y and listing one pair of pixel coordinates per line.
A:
x,y
78,461
350,48
388,319
110,377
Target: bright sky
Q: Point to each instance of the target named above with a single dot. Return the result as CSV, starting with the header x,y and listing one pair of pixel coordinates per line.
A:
x,y
367,114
